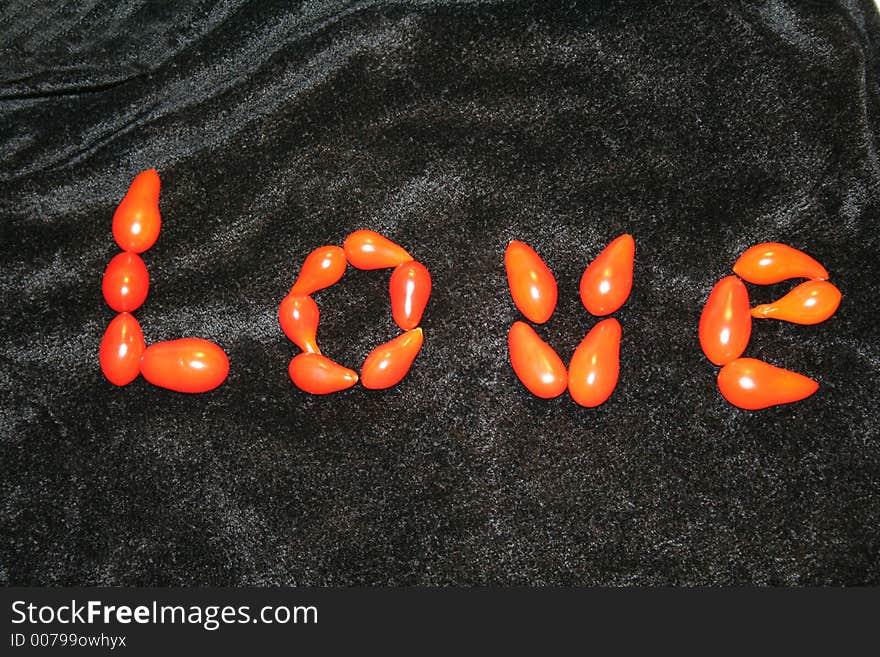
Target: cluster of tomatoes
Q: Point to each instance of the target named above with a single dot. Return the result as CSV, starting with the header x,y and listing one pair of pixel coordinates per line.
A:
x,y
726,323
185,365
595,365
387,364
196,365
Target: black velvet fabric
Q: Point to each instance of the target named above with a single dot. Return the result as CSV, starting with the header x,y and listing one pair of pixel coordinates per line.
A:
x,y
701,128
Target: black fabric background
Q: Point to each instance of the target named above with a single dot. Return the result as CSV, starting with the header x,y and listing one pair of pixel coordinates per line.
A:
x,y
699,127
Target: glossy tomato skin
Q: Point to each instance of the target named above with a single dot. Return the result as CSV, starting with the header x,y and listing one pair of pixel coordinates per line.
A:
x,y
607,281
531,283
726,321
137,221
121,350
188,365
410,289
298,315
595,366
367,249
772,262
126,282
752,384
535,363
388,363
318,375
811,302
322,268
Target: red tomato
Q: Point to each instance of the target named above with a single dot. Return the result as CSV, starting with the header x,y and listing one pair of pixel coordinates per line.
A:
x,y
126,282
388,363
136,222
121,350
410,289
535,362
607,281
185,365
318,375
726,321
595,366
366,249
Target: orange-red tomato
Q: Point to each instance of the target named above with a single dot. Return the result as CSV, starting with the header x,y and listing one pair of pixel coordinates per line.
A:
x,y
298,315
607,281
185,365
535,363
318,375
126,282
532,284
810,302
121,350
388,363
410,289
753,384
366,249
136,222
726,322
771,262
322,268
595,366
